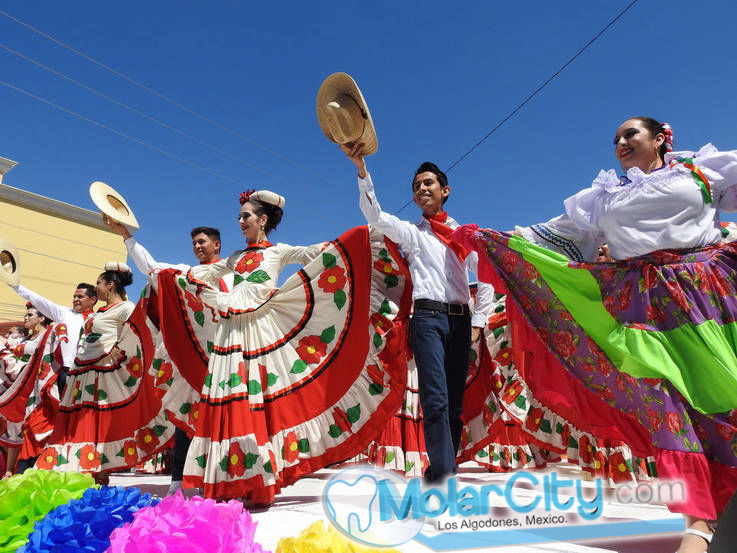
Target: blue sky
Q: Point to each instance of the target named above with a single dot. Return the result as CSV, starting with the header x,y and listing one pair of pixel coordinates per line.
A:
x,y
437,77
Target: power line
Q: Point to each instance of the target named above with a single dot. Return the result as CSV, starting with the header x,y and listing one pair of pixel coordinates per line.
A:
x,y
140,113
121,134
166,98
536,91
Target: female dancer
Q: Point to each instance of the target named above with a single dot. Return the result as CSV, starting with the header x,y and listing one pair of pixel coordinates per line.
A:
x,y
292,379
28,403
110,416
654,363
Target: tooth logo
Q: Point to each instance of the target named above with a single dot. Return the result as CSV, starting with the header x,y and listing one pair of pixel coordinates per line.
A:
x,y
351,502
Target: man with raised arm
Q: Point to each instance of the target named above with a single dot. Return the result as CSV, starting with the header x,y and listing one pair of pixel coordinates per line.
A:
x,y
83,302
442,328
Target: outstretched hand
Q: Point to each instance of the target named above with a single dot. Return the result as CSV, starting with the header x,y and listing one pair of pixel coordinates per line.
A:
x,y
354,152
116,226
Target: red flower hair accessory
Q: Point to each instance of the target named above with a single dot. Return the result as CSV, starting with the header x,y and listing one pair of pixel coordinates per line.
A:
x,y
668,132
245,196
28,305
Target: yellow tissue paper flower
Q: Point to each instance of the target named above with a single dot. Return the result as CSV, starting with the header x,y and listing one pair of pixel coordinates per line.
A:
x,y
316,540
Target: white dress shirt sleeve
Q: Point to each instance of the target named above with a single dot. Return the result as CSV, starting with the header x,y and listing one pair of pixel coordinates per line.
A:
x,y
484,294
53,311
397,230
140,256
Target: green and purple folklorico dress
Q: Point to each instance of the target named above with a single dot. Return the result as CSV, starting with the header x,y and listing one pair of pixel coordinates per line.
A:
x,y
642,350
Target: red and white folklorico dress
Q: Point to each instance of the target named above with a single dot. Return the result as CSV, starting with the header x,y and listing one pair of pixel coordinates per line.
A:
x,y
294,378
29,403
110,416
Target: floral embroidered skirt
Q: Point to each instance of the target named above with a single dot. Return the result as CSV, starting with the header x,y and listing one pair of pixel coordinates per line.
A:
x,y
111,414
305,379
641,352
28,406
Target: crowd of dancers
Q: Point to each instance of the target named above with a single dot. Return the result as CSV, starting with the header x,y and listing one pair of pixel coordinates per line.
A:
x,y
603,337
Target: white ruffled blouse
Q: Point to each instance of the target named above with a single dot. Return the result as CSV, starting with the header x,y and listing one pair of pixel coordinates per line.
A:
x,y
641,213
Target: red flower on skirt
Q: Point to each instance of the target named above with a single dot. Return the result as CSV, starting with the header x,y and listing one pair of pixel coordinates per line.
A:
x,y
673,422
650,272
509,262
618,467
626,297
497,381
331,280
341,419
311,349
655,314
604,366
48,458
725,432
504,357
663,257
585,451
534,419
653,420
135,367
166,372
610,306
386,267
147,440
89,458
193,302
88,325
506,456
608,274
526,303
130,452
511,393
566,315
291,448
375,374
565,437
236,460
542,306
677,294
701,432
563,343
522,456
530,271
194,414
60,329
380,323
249,262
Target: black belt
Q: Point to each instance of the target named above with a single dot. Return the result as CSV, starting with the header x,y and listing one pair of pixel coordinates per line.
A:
x,y
449,308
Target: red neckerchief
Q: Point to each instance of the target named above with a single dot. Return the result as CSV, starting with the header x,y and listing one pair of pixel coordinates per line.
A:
x,y
443,232
86,314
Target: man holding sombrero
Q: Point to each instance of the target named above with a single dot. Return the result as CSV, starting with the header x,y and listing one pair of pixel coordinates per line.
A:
x,y
83,301
441,327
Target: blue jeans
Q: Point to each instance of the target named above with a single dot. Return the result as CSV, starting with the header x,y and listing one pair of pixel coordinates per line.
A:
x,y
179,454
441,344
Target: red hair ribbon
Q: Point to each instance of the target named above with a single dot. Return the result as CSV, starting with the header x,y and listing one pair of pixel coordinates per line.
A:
x,y
245,196
668,132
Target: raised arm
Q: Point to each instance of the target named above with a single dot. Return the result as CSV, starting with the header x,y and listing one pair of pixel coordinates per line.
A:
x,y
52,310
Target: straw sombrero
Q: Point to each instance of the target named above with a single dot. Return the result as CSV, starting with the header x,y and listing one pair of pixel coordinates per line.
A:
x,y
112,204
9,263
343,113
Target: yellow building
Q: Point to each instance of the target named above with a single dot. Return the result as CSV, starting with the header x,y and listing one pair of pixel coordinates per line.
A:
x,y
59,245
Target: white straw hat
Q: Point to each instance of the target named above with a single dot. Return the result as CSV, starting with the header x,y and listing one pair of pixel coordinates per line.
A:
x,y
343,113
9,263
112,204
